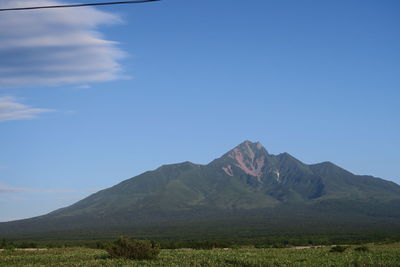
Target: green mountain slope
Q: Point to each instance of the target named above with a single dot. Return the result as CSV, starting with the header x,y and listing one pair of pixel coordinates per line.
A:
x,y
247,188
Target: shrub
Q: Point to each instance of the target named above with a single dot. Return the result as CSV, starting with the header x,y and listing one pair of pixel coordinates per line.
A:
x,y
362,249
10,247
133,249
278,245
27,245
101,245
338,249
6,245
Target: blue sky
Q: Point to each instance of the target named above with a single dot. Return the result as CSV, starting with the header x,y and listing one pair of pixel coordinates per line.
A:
x,y
90,97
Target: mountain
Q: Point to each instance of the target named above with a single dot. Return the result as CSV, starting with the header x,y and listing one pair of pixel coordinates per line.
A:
x,y
247,192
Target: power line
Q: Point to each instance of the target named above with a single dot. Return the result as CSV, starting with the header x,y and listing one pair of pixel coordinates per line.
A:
x,y
78,5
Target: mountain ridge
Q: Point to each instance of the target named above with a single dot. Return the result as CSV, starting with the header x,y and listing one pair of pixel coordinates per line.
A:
x,y
245,180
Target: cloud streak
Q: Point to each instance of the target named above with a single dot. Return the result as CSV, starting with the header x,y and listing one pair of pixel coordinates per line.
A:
x,y
55,47
9,189
6,189
11,110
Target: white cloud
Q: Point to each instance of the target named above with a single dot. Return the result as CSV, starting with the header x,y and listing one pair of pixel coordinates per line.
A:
x,y
11,110
56,46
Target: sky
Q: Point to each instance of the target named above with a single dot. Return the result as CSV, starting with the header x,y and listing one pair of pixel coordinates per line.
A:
x,y
90,97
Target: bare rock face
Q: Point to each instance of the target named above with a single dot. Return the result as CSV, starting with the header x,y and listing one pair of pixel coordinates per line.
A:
x,y
247,157
253,160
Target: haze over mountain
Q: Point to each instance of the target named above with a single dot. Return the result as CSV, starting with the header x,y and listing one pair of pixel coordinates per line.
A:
x,y
247,190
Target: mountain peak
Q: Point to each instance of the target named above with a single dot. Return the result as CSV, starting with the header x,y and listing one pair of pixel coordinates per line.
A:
x,y
249,157
254,146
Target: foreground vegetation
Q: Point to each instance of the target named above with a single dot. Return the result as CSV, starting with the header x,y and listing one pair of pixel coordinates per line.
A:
x,y
133,249
374,255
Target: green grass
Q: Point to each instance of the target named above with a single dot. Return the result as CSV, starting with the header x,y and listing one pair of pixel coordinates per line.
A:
x,y
377,255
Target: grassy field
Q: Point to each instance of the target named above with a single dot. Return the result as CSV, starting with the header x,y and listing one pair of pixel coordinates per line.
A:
x,y
378,255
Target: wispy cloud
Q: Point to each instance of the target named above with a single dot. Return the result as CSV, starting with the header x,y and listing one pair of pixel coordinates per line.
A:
x,y
9,189
52,47
6,189
10,109
84,86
